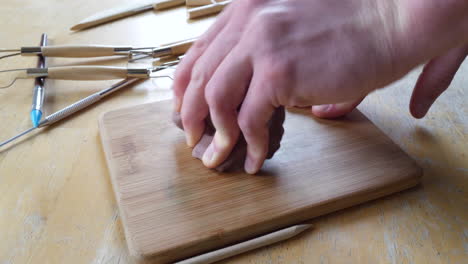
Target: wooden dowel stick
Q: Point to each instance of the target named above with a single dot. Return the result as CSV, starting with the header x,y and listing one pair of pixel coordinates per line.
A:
x,y
167,4
198,2
240,248
207,9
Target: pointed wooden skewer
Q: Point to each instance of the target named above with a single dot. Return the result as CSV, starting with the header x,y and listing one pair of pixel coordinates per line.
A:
x,y
207,9
248,245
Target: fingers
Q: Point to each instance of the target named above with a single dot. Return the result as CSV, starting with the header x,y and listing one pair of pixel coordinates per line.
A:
x,y
335,110
255,113
194,108
224,93
184,69
435,79
193,113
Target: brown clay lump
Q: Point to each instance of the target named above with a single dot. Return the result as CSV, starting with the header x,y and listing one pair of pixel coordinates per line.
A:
x,y
236,159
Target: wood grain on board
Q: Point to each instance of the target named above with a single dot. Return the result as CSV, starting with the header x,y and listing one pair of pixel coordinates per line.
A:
x,y
173,207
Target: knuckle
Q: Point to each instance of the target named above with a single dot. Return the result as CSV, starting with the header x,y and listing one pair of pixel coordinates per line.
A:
x,y
278,68
279,71
217,104
273,20
179,85
191,118
199,76
216,98
212,96
200,45
186,119
263,25
247,126
189,121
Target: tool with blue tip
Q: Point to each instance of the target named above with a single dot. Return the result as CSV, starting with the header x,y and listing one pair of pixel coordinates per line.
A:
x,y
39,92
75,107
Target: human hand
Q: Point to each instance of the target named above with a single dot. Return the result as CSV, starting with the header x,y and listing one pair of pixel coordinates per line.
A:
x,y
262,54
433,81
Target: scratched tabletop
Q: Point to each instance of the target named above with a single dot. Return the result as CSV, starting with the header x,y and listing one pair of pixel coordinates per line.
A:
x,y
57,203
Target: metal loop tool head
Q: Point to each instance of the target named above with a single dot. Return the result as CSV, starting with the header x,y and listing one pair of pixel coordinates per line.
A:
x,y
13,52
14,80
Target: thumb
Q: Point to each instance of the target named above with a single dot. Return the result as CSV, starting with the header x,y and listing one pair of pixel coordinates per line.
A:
x,y
335,110
435,79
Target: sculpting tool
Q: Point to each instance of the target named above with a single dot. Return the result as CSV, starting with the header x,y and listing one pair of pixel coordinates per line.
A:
x,y
252,244
87,73
169,50
69,51
89,51
75,107
38,92
121,12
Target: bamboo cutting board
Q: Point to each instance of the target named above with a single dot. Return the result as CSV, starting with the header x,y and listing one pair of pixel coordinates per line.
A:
x,y
173,207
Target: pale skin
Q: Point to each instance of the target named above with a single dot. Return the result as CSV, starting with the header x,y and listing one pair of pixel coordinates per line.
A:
x,y
327,55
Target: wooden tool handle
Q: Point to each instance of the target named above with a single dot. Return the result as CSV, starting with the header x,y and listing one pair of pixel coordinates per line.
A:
x,y
207,10
80,73
167,4
181,47
78,51
199,2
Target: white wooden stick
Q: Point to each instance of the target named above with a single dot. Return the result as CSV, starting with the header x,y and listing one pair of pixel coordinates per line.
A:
x,y
199,2
205,10
248,245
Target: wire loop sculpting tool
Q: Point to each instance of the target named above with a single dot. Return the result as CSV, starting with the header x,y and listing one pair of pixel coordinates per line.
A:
x,y
87,73
69,51
90,51
173,49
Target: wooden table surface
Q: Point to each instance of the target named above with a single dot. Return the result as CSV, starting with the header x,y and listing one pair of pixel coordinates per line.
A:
x,y
57,204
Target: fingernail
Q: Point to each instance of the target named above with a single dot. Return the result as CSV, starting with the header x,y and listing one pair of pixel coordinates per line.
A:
x,y
323,108
252,162
190,139
249,166
213,152
221,139
209,156
177,104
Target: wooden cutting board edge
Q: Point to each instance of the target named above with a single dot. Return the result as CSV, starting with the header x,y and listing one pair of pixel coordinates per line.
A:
x,y
102,133
258,229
